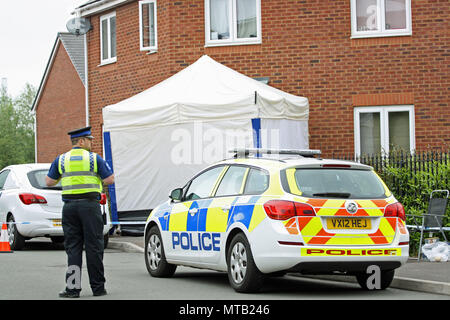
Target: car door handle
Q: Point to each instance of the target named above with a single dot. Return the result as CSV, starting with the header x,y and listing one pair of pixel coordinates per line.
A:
x,y
193,211
226,208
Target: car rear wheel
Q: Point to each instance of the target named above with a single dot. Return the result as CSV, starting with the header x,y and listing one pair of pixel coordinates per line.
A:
x,y
155,259
16,240
386,277
243,274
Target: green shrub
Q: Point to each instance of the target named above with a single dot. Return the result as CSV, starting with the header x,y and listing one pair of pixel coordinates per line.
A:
x,y
413,188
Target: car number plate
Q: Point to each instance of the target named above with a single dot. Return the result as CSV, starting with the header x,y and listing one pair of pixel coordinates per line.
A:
x,y
349,223
57,222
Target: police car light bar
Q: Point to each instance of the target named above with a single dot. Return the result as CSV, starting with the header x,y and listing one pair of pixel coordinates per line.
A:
x,y
243,152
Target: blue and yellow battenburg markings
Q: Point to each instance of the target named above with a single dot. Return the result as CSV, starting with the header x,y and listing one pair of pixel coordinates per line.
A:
x,y
201,232
210,216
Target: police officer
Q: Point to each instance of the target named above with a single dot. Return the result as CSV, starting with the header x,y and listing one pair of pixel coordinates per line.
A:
x,y
81,173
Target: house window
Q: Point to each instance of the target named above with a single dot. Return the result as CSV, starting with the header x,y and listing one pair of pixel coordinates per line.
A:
x,y
147,25
108,38
384,129
232,22
379,18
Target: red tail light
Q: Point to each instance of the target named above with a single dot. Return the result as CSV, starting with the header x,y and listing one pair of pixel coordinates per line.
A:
x,y
395,210
283,210
103,198
30,198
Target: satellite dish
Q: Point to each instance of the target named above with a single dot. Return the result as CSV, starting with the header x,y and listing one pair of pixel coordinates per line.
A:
x,y
78,26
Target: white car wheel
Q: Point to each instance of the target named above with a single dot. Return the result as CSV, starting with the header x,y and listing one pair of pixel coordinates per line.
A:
x,y
155,259
243,274
154,252
238,262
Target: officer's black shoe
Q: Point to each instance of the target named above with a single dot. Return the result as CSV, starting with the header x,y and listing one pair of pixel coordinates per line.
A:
x,y
101,293
69,294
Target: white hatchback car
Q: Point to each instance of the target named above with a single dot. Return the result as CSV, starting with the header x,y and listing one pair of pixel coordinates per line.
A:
x,y
32,209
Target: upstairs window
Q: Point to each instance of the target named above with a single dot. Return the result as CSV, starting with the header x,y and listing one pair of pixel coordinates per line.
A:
x,y
147,25
380,18
232,22
108,38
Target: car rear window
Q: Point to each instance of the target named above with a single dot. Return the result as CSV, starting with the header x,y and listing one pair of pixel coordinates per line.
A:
x,y
336,183
37,180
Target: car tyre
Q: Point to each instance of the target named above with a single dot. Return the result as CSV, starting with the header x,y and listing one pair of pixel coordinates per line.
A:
x,y
386,279
155,258
57,240
16,240
243,274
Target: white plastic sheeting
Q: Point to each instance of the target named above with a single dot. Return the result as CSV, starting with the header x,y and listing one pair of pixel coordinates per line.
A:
x,y
150,162
163,136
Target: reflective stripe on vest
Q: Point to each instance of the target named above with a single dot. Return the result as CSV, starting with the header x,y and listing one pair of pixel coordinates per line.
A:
x,y
78,169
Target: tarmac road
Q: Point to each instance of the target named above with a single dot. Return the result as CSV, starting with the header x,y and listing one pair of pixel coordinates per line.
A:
x,y
38,273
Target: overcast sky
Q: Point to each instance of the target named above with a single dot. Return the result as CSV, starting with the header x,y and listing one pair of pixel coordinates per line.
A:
x,y
28,31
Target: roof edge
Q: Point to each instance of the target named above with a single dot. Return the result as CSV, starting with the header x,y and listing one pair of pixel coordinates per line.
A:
x,y
46,73
50,62
96,7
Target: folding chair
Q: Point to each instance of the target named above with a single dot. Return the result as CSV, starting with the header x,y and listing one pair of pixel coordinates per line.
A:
x,y
432,220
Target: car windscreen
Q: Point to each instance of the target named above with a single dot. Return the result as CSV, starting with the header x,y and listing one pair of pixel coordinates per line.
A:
x,y
339,183
37,180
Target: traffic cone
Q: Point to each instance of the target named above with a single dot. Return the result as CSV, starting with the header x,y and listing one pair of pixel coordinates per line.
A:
x,y
4,242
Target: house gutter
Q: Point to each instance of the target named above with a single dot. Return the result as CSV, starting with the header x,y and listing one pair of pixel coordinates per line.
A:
x,y
97,7
86,81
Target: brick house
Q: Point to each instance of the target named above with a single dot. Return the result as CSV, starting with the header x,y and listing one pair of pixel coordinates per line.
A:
x,y
59,105
376,72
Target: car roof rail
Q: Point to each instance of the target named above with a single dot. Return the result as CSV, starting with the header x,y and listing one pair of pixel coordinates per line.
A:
x,y
245,152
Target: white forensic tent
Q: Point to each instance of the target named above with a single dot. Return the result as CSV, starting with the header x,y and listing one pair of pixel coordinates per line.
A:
x,y
159,138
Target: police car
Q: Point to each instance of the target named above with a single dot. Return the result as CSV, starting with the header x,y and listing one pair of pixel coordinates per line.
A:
x,y
260,216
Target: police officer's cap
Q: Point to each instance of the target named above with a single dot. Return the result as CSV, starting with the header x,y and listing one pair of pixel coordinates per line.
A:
x,y
82,132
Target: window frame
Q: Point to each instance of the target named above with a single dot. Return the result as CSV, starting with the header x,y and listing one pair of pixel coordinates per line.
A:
x,y
381,21
141,27
110,59
234,40
384,125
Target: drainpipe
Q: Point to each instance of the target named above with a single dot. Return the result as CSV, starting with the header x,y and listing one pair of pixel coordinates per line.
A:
x,y
86,77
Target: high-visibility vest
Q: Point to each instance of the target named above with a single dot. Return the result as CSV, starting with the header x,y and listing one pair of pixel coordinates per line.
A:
x,y
78,169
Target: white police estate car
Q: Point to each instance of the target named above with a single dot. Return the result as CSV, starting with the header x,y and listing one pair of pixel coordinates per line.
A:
x,y
258,216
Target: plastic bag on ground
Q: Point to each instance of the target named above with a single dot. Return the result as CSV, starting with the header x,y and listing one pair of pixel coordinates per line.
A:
x,y
438,251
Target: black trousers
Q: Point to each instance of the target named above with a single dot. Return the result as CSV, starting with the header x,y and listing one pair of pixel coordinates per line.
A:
x,y
82,223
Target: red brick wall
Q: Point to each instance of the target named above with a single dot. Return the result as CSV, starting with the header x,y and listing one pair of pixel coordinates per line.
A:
x,y
306,50
61,108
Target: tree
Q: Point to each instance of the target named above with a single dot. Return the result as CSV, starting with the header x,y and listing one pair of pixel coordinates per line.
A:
x,y
16,127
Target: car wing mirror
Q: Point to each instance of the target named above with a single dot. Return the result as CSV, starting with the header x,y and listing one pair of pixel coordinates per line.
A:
x,y
176,194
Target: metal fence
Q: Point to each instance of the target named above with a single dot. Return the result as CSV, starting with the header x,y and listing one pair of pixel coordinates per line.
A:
x,y
426,168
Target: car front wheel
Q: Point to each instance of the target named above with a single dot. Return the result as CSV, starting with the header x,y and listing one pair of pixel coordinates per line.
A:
x,y
155,259
243,274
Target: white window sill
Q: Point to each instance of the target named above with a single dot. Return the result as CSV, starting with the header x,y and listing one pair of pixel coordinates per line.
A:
x,y
231,43
381,35
150,51
106,62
